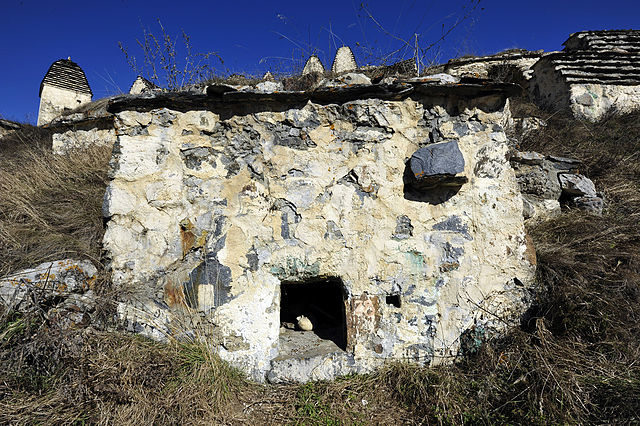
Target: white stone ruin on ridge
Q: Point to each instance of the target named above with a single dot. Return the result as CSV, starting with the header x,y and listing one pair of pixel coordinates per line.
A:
x,y
142,85
344,61
312,65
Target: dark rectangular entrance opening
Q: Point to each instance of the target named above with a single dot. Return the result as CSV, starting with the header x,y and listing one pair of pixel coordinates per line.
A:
x,y
322,301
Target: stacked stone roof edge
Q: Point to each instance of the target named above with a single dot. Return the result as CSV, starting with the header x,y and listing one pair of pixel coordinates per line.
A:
x,y
599,57
603,36
66,74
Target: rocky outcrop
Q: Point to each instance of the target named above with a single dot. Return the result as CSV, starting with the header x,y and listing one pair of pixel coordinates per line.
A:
x,y
547,182
62,290
387,215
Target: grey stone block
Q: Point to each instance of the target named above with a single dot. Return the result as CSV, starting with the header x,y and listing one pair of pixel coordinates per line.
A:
x,y
585,99
437,165
539,180
564,163
591,204
577,185
527,157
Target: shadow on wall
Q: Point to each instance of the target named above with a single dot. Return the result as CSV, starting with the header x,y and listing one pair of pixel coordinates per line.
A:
x,y
436,195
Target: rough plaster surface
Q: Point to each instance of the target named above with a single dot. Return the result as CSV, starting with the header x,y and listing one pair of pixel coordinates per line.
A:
x,y
548,89
54,101
586,101
209,211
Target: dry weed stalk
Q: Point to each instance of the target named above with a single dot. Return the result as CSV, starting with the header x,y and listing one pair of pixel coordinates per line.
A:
x,y
162,63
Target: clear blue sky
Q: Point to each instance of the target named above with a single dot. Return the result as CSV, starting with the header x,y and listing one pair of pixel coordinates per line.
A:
x,y
35,33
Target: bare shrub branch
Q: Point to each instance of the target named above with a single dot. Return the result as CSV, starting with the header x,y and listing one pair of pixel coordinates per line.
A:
x,y
162,63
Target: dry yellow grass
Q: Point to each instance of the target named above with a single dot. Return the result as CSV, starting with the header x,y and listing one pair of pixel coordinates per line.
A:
x,y
50,205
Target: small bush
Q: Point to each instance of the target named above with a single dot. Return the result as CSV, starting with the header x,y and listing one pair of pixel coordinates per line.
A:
x,y
507,73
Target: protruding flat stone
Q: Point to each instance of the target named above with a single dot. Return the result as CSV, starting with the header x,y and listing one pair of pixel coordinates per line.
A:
x,y
441,78
346,80
527,157
438,165
564,163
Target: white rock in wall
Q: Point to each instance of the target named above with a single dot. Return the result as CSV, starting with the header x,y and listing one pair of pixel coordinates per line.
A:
x,y
269,87
348,79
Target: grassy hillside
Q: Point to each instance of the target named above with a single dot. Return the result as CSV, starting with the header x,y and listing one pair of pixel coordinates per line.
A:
x,y
573,360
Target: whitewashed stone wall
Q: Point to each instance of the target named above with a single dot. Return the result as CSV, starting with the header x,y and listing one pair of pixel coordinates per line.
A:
x,y
593,101
209,211
54,101
586,101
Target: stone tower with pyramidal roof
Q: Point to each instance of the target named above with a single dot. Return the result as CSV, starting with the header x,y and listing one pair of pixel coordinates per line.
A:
x,y
64,87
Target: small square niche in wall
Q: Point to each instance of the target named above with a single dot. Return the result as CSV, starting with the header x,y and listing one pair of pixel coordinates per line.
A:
x,y
393,300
